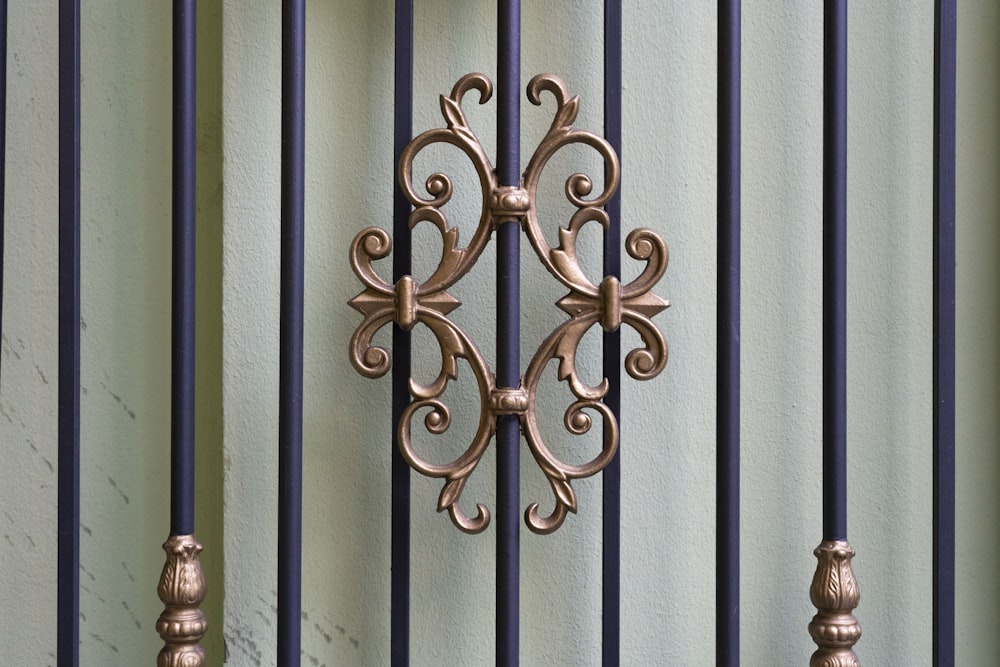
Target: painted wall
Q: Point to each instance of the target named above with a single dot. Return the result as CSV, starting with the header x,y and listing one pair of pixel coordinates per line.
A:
x,y
125,330
668,435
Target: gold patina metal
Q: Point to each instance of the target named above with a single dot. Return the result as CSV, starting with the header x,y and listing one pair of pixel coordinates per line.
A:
x,y
427,302
834,593
182,590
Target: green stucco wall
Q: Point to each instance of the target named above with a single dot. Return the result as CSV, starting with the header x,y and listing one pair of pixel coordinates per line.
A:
x,y
125,330
668,435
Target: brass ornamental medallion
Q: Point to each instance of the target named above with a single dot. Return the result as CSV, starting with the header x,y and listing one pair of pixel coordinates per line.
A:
x,y
410,302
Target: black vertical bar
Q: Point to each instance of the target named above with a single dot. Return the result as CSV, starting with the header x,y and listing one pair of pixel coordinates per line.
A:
x,y
293,58
402,132
727,559
508,334
611,478
3,139
68,621
182,339
945,42
835,270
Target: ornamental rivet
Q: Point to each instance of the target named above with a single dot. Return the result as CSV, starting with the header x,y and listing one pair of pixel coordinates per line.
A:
x,y
611,303
509,203
509,401
406,302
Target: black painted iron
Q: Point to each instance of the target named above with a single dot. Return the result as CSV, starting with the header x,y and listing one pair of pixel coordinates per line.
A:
x,y
835,270
182,403
612,356
402,133
68,595
3,139
508,331
727,567
291,332
945,39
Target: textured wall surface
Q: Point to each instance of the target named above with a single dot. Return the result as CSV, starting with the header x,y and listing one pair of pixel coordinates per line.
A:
x,y
125,330
668,445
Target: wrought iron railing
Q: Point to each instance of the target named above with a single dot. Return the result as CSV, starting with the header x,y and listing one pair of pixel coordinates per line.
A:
x,y
506,394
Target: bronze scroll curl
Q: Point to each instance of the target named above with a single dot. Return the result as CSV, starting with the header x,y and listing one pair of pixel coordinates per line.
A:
x,y
409,302
562,344
455,262
608,305
454,343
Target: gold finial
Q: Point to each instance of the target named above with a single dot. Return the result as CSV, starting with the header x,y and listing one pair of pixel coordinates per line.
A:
x,y
182,589
834,592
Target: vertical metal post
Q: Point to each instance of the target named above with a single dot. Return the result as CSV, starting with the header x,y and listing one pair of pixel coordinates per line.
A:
x,y
834,589
611,478
68,623
402,131
945,40
507,398
3,139
727,572
291,332
508,334
182,624
835,272
182,403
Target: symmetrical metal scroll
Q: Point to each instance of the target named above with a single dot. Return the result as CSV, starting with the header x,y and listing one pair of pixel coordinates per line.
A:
x,y
608,304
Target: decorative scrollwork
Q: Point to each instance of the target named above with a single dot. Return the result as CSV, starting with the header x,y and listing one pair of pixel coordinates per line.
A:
x,y
454,343
608,304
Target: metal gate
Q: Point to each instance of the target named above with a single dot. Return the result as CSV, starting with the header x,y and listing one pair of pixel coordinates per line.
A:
x,y
510,194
